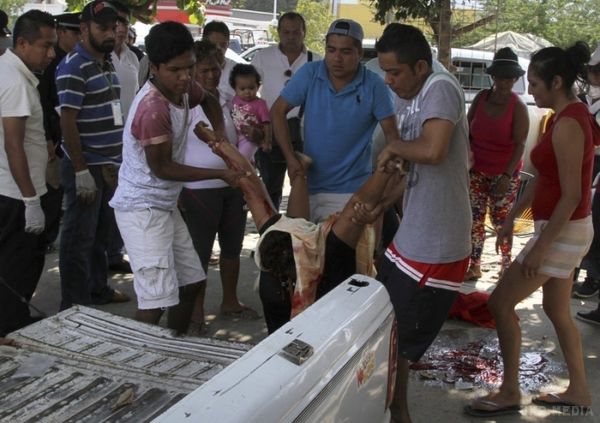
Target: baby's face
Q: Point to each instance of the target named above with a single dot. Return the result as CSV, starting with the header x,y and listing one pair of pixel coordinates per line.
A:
x,y
246,87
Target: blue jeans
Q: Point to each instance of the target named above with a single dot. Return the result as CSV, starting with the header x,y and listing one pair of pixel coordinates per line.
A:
x,y
83,241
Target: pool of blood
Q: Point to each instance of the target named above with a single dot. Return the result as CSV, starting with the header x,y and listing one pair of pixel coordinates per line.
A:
x,y
478,364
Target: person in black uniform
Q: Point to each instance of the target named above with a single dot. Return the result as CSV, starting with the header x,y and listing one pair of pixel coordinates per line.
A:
x,y
68,34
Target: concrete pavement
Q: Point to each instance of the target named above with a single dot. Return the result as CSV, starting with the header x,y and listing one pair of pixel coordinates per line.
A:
x,y
432,399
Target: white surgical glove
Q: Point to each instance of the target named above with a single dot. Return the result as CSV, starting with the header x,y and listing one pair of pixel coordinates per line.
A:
x,y
34,215
85,186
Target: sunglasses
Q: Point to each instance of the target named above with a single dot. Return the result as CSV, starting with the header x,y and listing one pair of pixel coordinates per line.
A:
x,y
288,73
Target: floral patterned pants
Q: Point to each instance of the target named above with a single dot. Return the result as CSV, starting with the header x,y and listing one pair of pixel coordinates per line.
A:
x,y
482,199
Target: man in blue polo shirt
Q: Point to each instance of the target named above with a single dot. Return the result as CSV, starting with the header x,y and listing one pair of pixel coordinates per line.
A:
x,y
91,121
343,102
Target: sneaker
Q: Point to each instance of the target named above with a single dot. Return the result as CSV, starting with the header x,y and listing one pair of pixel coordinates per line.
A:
x,y
122,266
588,288
592,317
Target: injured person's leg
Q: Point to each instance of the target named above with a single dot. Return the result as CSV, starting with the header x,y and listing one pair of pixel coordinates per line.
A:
x,y
227,151
255,193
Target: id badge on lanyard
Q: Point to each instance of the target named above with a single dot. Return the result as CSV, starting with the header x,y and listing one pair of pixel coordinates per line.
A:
x,y
115,104
116,112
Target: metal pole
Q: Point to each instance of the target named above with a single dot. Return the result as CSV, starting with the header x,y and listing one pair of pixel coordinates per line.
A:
x,y
497,19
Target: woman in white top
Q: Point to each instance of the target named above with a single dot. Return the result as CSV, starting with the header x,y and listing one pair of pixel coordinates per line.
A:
x,y
212,207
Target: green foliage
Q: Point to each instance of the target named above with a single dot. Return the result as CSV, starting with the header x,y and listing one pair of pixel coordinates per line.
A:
x,y
12,7
194,8
318,18
145,10
429,10
436,13
561,22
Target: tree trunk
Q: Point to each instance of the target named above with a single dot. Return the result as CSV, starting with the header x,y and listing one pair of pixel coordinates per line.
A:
x,y
457,32
445,33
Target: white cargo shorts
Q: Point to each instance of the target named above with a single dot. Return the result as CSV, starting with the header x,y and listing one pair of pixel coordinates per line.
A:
x,y
161,254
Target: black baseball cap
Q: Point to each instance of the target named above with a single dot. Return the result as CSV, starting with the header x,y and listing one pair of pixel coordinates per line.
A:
x,y
99,11
68,20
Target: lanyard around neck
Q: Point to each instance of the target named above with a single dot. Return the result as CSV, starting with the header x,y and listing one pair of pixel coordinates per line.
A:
x,y
107,79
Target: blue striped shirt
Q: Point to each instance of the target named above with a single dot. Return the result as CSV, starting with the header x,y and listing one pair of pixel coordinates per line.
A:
x,y
90,87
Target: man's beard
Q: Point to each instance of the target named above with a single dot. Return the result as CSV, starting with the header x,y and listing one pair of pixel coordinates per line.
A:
x,y
104,47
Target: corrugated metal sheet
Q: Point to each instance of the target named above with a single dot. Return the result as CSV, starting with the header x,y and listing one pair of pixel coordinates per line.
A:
x,y
76,366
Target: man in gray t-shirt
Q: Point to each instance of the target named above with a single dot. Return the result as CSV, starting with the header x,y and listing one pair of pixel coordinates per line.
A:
x,y
436,207
425,264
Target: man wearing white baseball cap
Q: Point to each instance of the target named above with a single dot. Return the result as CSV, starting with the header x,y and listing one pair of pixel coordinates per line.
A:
x,y
342,103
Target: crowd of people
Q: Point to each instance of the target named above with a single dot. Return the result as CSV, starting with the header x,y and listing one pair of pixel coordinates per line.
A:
x,y
159,156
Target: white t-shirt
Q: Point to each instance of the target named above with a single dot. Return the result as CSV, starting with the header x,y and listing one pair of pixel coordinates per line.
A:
x,y
19,97
198,154
227,92
154,120
127,68
272,64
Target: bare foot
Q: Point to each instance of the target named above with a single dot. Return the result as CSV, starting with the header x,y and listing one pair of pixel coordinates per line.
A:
x,y
565,398
473,274
231,155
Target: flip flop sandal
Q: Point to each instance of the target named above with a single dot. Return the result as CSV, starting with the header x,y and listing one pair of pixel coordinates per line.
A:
x,y
493,409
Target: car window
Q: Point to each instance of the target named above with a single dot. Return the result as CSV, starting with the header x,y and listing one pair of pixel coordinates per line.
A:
x,y
472,77
368,54
235,45
250,55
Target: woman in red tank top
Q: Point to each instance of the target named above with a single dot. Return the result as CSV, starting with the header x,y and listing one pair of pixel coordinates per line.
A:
x,y
498,123
560,198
